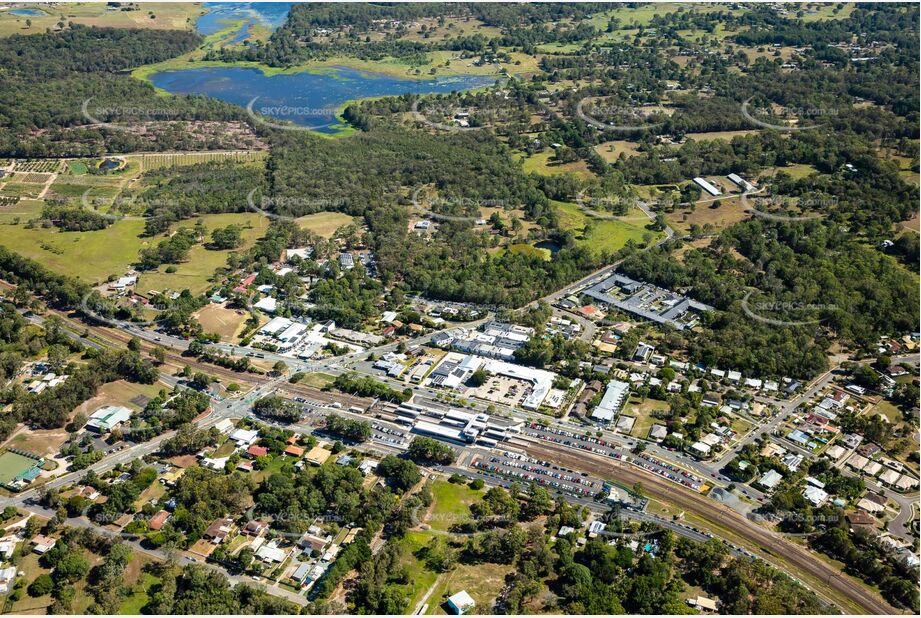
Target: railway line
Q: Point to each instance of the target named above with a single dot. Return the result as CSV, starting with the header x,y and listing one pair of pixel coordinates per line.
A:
x,y
823,578
758,539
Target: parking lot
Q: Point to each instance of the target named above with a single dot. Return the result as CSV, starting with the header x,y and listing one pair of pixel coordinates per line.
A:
x,y
600,446
529,469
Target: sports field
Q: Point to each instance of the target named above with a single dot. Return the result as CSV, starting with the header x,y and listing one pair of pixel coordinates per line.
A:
x,y
13,464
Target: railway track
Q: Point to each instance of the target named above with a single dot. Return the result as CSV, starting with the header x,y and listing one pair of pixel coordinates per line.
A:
x,y
756,537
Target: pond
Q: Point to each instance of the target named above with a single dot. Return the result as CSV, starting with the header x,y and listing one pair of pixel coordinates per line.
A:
x,y
221,14
28,12
307,99
549,245
110,164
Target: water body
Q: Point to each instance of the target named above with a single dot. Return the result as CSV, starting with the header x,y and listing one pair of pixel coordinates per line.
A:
x,y
220,14
28,12
305,99
549,245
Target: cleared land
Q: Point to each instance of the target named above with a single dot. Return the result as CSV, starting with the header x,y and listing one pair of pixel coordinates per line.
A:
x,y
611,151
541,163
717,214
221,320
90,256
196,272
161,15
603,234
325,223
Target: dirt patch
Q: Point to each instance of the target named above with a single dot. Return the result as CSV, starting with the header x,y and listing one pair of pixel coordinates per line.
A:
x,y
220,320
44,442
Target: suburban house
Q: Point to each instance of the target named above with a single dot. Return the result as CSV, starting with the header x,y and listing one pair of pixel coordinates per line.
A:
x,y
219,530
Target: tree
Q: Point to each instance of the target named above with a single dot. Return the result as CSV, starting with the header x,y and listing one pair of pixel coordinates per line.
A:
x,y
479,377
401,473
429,450
41,585
72,567
57,358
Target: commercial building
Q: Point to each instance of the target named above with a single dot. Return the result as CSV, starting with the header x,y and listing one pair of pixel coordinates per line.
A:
x,y
107,418
647,301
614,396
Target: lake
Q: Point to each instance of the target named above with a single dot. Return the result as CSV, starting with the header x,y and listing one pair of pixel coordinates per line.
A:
x,y
221,14
305,99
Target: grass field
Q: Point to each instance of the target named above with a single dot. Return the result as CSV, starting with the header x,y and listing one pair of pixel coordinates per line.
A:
x,y
643,411
726,135
719,214
602,235
317,380
162,15
451,505
14,464
529,250
196,272
540,163
611,151
796,171
325,223
140,595
90,256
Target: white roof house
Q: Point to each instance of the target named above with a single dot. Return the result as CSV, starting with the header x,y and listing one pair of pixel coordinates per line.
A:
x,y
267,304
815,495
889,477
770,479
870,506
461,602
6,548
271,553
244,437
